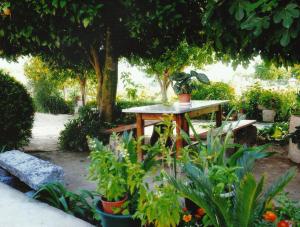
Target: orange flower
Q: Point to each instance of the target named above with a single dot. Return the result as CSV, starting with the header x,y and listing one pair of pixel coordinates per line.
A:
x,y
270,216
200,212
187,218
184,209
283,223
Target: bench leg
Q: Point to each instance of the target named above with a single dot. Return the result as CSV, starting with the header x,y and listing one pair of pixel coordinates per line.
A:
x,y
139,133
219,117
246,135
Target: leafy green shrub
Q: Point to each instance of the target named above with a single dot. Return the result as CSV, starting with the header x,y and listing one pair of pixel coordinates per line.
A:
x,y
79,205
278,133
215,91
283,102
47,98
16,113
265,71
88,123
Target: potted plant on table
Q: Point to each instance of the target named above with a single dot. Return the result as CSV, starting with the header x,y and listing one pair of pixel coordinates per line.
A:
x,y
183,84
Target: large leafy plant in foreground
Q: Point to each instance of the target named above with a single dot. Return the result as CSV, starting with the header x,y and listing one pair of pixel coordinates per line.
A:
x,y
77,204
243,209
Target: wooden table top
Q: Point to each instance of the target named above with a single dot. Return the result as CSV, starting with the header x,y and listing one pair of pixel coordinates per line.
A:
x,y
175,108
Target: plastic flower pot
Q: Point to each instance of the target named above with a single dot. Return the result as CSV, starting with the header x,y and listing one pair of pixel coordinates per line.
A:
x,y
116,220
109,206
184,98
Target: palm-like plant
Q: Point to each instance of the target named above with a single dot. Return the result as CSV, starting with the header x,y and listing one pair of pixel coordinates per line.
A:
x,y
244,209
213,151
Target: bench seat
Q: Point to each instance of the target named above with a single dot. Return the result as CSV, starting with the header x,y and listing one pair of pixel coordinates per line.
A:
x,y
123,128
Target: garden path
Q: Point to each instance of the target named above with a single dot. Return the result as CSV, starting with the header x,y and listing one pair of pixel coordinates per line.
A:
x,y
45,131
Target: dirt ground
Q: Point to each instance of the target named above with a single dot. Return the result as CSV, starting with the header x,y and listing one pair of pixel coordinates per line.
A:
x,y
76,169
44,145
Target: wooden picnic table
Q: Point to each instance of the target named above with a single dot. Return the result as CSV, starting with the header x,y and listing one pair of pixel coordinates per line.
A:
x,y
156,112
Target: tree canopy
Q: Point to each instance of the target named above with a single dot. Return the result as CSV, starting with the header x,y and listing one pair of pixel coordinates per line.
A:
x,y
98,31
242,29
173,61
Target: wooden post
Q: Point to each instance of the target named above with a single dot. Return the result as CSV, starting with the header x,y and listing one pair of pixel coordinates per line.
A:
x,y
219,117
139,133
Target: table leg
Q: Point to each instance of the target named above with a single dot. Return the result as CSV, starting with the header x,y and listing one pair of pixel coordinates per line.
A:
x,y
179,125
219,117
139,133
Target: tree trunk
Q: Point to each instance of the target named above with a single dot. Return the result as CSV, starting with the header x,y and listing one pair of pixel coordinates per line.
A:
x,y
82,82
164,85
110,81
95,61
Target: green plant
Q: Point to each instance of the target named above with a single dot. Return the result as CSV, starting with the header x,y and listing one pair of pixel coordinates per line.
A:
x,y
267,71
47,98
160,206
16,113
287,209
214,151
244,209
278,132
215,91
87,123
118,171
183,83
283,102
109,171
79,205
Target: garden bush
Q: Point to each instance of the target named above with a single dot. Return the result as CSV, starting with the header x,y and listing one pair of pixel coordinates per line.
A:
x,y
16,113
87,123
47,98
215,91
283,102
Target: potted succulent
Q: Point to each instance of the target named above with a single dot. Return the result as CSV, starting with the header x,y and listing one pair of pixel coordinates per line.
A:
x,y
183,84
294,130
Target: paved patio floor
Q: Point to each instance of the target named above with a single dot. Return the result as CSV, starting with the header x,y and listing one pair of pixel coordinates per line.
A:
x,y
18,210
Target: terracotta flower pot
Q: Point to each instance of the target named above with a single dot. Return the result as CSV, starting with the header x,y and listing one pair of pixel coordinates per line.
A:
x,y
6,11
109,206
184,98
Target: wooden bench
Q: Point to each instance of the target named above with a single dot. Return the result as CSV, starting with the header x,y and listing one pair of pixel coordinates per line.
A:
x,y
130,127
244,131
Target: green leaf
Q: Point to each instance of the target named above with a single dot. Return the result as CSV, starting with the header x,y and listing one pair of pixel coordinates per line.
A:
x,y
285,39
287,15
239,14
55,3
86,22
62,3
